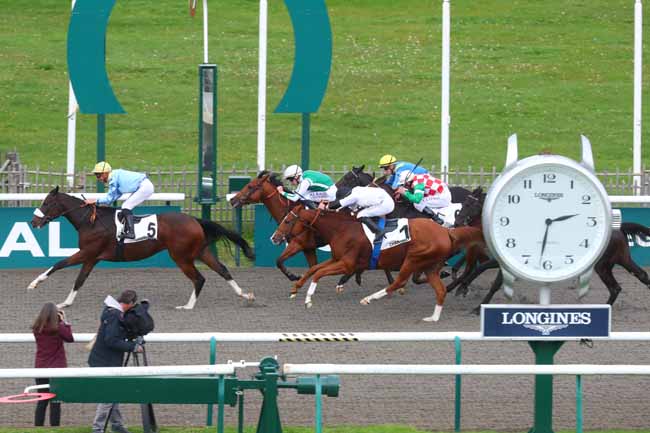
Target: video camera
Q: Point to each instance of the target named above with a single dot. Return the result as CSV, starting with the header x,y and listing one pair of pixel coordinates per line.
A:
x,y
137,321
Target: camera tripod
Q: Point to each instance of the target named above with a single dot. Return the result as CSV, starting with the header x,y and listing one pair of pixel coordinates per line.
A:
x,y
149,424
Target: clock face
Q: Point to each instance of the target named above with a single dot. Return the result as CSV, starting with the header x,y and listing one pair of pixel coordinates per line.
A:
x,y
548,222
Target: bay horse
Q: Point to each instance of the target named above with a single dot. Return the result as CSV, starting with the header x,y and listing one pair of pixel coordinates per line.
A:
x,y
616,253
429,247
263,189
185,238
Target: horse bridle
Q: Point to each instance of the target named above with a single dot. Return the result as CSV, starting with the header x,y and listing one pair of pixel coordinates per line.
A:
x,y
297,217
475,202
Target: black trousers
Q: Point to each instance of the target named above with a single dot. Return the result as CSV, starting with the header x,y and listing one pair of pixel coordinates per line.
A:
x,y
55,409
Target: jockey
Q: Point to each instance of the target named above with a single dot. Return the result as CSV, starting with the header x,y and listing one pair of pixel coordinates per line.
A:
x,y
120,182
311,185
374,203
393,168
425,192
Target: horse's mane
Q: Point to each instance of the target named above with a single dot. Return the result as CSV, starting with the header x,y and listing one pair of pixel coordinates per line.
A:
x,y
273,177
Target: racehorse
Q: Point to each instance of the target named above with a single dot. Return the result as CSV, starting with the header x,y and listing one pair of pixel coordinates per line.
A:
x,y
616,253
429,247
185,238
262,189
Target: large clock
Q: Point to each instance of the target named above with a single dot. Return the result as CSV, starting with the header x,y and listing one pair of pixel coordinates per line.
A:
x,y
548,218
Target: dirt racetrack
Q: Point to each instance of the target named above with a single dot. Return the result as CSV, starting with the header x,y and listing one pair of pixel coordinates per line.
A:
x,y
489,402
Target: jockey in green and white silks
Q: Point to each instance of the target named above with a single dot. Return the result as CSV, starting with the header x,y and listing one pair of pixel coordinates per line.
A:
x,y
311,185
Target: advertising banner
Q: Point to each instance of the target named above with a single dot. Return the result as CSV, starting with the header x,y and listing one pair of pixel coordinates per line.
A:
x,y
22,246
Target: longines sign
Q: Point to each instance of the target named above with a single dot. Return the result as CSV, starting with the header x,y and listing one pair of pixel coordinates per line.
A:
x,y
22,246
545,322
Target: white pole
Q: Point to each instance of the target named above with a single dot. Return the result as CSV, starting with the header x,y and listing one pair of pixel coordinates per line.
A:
x,y
638,50
261,88
445,119
72,131
205,31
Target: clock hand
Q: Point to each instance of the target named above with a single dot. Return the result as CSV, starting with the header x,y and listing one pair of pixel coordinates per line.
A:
x,y
564,217
548,224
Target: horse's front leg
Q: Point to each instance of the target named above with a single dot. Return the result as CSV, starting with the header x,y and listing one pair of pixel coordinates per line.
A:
x,y
333,268
75,259
292,249
81,279
301,282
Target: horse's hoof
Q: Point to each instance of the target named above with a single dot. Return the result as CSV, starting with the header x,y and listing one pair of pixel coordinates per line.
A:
x,y
293,296
401,290
476,311
429,319
183,307
365,301
309,304
339,289
31,286
293,277
250,297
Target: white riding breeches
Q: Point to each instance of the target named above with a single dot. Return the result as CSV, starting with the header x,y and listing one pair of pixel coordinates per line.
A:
x,y
143,192
318,196
434,201
381,209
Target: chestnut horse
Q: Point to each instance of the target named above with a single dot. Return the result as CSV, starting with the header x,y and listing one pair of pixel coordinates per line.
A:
x,y
263,190
616,253
185,238
429,247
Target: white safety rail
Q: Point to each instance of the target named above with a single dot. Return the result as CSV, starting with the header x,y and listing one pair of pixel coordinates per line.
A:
x,y
172,370
311,337
41,196
485,369
629,199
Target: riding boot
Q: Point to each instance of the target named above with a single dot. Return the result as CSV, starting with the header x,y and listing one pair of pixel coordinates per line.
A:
x,y
128,232
433,214
373,225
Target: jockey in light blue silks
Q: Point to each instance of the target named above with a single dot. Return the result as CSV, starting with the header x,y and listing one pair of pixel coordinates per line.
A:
x,y
394,168
120,182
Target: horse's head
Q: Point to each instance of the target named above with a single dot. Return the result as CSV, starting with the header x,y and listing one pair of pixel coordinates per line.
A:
x,y
470,212
291,225
355,177
263,186
50,209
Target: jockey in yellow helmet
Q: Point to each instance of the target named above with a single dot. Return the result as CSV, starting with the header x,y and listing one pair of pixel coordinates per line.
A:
x,y
120,182
394,168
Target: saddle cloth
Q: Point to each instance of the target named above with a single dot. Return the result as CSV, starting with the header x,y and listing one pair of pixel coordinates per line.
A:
x,y
396,233
448,214
145,228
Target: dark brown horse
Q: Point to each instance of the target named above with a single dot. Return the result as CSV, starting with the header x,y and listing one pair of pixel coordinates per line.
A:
x,y
616,253
185,238
429,247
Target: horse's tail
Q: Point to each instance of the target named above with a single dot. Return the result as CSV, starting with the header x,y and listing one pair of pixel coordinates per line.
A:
x,y
214,232
634,229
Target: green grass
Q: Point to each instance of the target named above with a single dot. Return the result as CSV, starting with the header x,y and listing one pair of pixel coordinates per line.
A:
x,y
546,70
251,429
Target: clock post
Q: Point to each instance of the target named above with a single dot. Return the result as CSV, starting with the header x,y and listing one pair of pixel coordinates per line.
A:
x,y
544,355
547,219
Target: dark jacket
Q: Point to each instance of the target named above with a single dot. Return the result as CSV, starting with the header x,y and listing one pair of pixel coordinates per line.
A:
x,y
49,347
111,342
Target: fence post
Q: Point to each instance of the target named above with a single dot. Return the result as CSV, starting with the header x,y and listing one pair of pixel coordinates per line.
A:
x,y
578,404
458,384
213,360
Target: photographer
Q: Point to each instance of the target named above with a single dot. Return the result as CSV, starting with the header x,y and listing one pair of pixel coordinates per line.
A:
x,y
50,330
112,342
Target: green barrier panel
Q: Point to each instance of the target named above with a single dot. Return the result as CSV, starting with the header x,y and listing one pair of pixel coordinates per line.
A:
x,y
149,389
22,246
265,252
